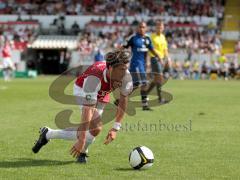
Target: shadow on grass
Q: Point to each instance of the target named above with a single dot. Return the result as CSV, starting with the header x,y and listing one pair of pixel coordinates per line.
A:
x,y
26,162
124,169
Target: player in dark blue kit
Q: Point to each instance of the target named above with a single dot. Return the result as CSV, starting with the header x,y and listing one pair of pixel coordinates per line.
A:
x,y
140,44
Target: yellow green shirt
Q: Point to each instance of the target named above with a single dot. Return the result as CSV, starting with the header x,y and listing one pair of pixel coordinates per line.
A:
x,y
222,59
160,45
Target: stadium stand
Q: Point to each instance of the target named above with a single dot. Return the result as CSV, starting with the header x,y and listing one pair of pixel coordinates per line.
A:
x,y
114,7
194,29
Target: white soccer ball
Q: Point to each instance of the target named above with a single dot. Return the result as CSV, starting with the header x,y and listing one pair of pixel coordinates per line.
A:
x,y
141,158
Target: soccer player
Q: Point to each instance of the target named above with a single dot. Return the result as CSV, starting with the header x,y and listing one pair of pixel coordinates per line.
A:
x,y
161,47
8,66
140,44
92,90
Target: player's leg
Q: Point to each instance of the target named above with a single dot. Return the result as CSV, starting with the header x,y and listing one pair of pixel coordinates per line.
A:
x,y
8,69
144,87
67,134
153,71
5,69
5,74
47,133
71,133
95,126
139,79
94,129
9,74
143,91
158,77
158,80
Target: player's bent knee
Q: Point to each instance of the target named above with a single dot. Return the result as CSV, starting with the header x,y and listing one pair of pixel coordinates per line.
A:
x,y
96,131
158,79
144,87
95,127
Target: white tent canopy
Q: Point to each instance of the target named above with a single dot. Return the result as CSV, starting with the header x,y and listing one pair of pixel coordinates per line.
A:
x,y
54,42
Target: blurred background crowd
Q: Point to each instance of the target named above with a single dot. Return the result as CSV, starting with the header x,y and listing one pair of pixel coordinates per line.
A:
x,y
191,27
114,7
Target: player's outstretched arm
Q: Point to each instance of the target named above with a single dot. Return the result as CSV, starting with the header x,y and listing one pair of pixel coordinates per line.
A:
x,y
122,106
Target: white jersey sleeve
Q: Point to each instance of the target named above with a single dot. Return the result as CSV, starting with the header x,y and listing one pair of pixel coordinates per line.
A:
x,y
91,86
127,84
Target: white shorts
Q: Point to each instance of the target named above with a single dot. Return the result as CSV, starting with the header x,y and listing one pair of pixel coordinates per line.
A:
x,y
7,63
78,91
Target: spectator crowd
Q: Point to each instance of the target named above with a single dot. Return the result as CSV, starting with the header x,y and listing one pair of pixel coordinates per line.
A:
x,y
194,38
186,35
18,37
222,68
214,8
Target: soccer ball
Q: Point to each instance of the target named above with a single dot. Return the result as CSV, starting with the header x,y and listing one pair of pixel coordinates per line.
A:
x,y
141,158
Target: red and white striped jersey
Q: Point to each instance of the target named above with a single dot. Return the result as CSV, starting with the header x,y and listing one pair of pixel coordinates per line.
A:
x,y
96,84
6,51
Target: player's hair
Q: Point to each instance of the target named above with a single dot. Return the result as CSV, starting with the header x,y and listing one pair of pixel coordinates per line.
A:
x,y
117,57
159,21
142,22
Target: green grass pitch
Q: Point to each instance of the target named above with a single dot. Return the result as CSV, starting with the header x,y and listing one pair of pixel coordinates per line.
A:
x,y
208,148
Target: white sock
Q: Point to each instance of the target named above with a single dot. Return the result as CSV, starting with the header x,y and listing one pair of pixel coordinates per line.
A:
x,y
5,75
89,140
67,134
70,134
8,75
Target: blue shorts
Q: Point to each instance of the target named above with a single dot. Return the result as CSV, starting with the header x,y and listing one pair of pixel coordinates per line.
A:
x,y
156,66
138,73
